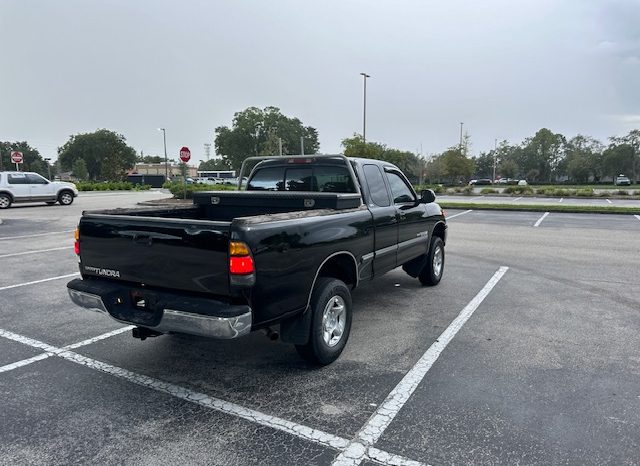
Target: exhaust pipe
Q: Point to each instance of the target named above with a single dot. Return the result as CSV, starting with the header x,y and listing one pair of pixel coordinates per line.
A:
x,y
143,333
271,334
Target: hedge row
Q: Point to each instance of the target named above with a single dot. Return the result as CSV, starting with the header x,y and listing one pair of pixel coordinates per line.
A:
x,y
110,186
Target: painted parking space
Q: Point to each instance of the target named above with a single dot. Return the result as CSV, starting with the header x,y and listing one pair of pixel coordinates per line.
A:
x,y
177,398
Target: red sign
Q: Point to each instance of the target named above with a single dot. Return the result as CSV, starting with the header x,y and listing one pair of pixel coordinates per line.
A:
x,y
16,156
185,154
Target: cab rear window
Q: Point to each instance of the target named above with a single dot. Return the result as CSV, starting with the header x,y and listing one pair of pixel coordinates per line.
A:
x,y
317,178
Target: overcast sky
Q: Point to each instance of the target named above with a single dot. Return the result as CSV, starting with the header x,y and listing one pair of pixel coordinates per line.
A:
x,y
505,68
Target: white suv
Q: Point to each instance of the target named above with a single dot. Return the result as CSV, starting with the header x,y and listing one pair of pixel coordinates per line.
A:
x,y
31,187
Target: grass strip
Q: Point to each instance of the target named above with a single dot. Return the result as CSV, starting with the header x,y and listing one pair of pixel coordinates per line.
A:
x,y
541,208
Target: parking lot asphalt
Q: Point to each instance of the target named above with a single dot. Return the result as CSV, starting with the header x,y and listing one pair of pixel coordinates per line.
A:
x,y
522,200
527,353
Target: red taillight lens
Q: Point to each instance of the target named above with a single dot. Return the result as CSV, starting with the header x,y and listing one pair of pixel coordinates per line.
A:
x,y
76,244
241,265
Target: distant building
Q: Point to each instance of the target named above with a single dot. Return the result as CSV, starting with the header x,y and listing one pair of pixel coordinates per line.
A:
x,y
175,171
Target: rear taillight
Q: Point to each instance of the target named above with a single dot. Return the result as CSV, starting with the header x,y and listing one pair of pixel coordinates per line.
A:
x,y
76,244
240,260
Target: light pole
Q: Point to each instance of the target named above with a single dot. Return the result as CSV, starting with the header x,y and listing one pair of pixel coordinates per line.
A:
x,y
364,109
495,158
461,124
166,163
48,167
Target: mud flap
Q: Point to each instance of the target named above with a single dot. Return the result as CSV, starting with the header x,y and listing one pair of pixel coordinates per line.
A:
x,y
415,266
296,330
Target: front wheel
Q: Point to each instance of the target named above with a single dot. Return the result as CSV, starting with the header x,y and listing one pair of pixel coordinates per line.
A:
x,y
431,273
330,322
65,198
5,201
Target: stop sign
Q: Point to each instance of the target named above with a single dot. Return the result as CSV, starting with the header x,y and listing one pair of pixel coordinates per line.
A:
x,y
185,154
16,156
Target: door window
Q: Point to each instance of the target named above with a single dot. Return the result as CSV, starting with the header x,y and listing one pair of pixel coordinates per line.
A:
x,y
399,189
17,178
33,178
377,189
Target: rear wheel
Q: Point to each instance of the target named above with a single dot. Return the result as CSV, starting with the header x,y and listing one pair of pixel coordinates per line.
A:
x,y
431,273
330,322
65,198
5,201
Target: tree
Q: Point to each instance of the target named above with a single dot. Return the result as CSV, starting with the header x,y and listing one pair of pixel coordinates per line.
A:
x,y
256,131
105,153
543,152
150,159
618,159
633,141
32,160
484,164
509,169
455,165
583,159
214,164
406,161
79,170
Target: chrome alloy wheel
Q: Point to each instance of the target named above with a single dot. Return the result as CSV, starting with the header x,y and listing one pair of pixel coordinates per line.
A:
x,y
4,202
438,259
66,198
333,321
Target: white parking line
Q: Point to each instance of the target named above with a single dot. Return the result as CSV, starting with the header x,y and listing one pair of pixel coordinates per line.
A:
x,y
35,252
637,216
50,350
39,234
387,411
609,201
24,362
39,281
299,430
537,224
458,214
561,199
516,199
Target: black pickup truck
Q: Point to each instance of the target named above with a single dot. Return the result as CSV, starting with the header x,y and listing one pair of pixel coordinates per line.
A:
x,y
284,251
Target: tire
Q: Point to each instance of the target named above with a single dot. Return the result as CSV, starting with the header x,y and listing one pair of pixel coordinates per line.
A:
x,y
431,273
330,322
5,201
65,198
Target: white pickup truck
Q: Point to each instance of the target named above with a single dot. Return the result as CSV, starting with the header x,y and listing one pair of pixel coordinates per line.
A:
x,y
31,187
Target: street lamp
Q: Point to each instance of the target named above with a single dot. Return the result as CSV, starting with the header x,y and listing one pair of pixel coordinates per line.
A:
x,y
166,163
461,124
48,166
495,158
364,110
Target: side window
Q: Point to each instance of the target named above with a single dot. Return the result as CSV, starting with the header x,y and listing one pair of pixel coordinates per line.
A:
x,y
17,178
267,179
377,189
32,178
399,189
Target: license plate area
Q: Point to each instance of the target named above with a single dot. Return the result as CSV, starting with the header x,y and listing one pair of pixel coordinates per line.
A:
x,y
143,301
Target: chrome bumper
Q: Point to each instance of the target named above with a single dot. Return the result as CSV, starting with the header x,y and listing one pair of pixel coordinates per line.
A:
x,y
174,320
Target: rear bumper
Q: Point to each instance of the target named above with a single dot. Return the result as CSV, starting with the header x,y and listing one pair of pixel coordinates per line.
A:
x,y
161,311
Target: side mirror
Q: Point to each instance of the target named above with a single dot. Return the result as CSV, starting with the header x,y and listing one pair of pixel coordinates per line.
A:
x,y
427,196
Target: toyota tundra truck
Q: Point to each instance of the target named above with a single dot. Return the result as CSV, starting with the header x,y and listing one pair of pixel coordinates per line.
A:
x,y
280,254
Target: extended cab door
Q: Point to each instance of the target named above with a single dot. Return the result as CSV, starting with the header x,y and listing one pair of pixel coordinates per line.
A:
x,y
385,220
413,227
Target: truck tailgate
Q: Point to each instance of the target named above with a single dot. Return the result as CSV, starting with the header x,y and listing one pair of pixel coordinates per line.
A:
x,y
181,254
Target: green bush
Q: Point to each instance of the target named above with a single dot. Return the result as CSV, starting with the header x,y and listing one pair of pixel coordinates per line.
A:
x,y
518,190
467,190
488,191
178,188
110,186
622,192
587,192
